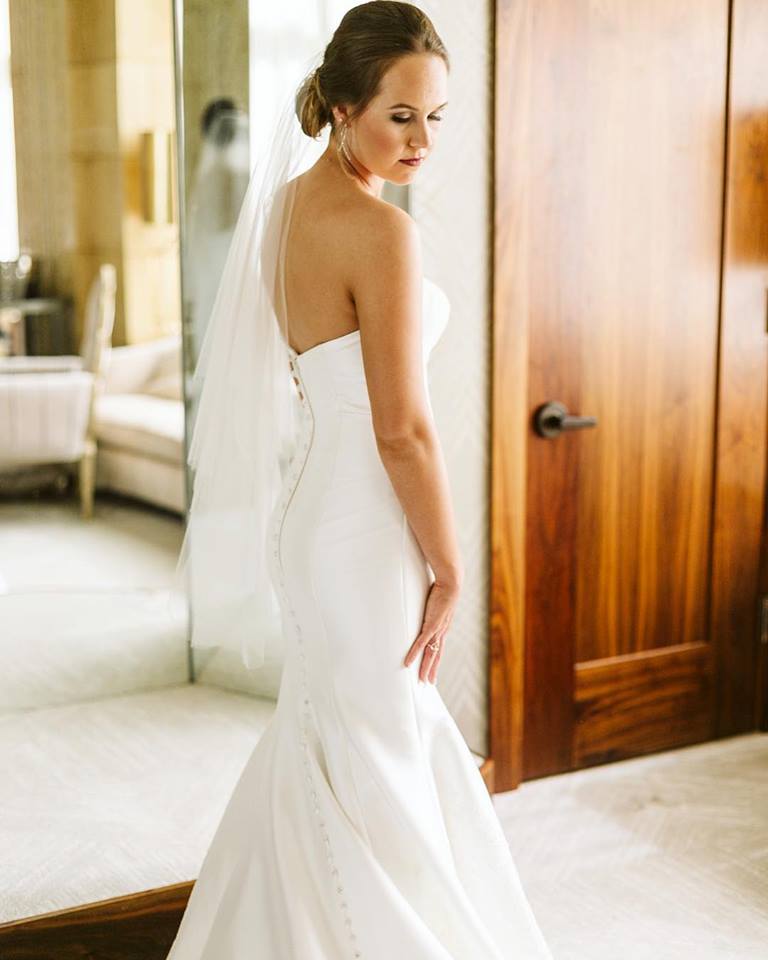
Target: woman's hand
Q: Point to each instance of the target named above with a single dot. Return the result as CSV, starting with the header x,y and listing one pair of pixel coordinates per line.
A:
x,y
438,613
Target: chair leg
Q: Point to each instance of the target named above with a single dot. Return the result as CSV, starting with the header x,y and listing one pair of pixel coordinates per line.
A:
x,y
87,480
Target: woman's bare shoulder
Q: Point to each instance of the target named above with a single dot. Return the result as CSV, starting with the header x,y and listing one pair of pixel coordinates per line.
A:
x,y
380,237
371,217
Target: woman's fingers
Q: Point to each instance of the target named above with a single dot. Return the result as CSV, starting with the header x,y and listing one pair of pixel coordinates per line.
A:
x,y
418,644
437,618
429,661
428,633
432,674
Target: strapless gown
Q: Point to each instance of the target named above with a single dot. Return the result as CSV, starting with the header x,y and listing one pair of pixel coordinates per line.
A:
x,y
360,826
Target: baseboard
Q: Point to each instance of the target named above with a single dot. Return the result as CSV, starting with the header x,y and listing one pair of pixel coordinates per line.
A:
x,y
140,926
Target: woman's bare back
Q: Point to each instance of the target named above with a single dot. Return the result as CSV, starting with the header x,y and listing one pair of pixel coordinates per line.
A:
x,y
321,255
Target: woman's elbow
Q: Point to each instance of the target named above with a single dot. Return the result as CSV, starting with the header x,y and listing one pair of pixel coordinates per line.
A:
x,y
404,435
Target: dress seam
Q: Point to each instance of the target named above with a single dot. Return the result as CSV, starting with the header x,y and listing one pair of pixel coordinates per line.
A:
x,y
332,685
309,695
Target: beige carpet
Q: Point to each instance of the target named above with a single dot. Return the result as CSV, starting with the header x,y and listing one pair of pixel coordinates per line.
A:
x,y
110,797
86,609
662,857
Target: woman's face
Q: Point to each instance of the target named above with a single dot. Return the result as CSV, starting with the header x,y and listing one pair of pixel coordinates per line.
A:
x,y
403,119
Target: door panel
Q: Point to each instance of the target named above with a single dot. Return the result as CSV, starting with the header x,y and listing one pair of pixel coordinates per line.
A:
x,y
610,152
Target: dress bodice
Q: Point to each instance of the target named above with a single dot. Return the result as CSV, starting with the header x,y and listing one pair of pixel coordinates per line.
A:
x,y
335,367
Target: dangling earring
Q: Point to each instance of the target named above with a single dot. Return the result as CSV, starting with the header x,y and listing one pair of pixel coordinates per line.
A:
x,y
341,146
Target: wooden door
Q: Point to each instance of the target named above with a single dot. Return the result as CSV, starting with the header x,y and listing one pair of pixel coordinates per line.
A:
x,y
610,167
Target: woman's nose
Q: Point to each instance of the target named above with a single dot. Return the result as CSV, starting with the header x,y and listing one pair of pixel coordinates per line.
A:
x,y
422,136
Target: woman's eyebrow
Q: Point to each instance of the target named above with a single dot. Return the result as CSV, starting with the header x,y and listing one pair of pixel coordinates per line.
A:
x,y
409,107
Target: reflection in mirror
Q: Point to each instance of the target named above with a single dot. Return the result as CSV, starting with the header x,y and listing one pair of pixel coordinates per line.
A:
x,y
215,194
93,641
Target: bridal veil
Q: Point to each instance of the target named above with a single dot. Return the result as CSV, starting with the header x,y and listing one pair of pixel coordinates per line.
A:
x,y
247,414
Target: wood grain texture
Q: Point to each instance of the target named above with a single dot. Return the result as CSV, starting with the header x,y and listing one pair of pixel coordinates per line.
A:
x,y
629,185
743,379
136,927
611,129
509,388
637,704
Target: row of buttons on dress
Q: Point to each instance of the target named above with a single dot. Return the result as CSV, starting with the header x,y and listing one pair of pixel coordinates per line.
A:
x,y
296,466
306,713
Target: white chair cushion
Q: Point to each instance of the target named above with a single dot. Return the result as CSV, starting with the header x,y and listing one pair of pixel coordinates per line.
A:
x,y
43,417
152,367
153,426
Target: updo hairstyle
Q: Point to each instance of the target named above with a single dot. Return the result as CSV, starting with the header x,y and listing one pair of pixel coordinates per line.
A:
x,y
370,38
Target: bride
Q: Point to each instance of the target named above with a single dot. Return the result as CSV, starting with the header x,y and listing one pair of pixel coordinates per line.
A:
x,y
360,826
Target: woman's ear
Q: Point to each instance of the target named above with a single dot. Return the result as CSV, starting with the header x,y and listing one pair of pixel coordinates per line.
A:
x,y
340,114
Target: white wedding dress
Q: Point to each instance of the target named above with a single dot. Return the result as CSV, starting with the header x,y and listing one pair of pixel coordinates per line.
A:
x,y
360,826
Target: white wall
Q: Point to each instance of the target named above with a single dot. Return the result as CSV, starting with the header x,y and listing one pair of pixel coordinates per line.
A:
x,y
451,205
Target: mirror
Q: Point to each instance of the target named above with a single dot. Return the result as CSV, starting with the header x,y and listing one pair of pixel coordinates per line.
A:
x,y
93,639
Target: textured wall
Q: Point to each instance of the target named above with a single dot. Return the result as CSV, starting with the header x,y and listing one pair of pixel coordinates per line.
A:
x,y
89,77
41,129
451,204
144,79
94,158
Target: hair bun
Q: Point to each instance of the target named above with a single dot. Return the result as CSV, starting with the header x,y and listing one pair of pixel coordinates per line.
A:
x,y
311,105
368,40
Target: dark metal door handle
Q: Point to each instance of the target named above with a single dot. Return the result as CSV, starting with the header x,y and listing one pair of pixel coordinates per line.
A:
x,y
550,419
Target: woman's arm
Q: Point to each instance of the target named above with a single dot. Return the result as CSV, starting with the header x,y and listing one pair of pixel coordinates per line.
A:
x,y
387,288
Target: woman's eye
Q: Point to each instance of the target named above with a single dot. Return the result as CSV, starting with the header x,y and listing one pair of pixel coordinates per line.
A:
x,y
406,119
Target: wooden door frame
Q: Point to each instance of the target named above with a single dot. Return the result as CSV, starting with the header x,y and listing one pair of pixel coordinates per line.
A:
x,y
508,392
742,415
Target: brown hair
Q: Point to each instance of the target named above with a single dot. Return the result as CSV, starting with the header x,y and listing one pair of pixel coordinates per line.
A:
x,y
366,43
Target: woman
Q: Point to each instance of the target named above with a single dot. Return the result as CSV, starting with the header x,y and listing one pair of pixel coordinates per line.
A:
x,y
360,825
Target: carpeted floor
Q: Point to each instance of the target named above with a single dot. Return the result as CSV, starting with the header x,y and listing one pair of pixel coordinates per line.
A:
x,y
87,608
662,857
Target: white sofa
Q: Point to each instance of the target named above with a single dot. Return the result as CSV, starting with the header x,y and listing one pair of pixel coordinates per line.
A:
x,y
139,424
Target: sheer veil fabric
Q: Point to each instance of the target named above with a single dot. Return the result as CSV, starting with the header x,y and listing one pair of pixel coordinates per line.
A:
x,y
246,418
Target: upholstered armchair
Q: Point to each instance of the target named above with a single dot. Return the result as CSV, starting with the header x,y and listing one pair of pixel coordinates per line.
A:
x,y
139,424
47,403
